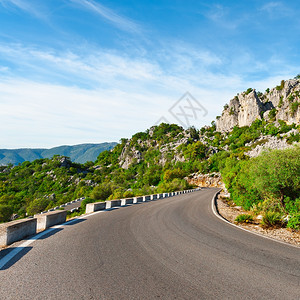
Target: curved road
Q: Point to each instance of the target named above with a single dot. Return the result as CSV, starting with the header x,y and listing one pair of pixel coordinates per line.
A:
x,y
173,248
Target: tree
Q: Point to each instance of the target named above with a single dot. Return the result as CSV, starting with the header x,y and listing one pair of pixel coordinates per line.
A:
x,y
5,212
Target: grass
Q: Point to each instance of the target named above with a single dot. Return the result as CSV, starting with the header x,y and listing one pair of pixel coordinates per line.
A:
x,y
272,219
244,218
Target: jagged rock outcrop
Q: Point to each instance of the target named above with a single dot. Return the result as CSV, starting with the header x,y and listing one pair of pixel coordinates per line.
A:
x,y
129,156
206,180
279,103
270,143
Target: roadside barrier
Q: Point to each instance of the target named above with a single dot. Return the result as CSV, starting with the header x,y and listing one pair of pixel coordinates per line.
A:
x,y
96,206
49,219
19,229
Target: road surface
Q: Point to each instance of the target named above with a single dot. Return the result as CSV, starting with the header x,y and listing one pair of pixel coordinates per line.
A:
x,y
173,248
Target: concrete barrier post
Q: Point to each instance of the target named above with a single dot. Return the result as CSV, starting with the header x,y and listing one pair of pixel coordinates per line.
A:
x,y
16,230
128,201
114,203
49,219
140,199
92,207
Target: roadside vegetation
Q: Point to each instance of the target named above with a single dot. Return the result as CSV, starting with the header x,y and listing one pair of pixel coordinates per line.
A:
x,y
159,160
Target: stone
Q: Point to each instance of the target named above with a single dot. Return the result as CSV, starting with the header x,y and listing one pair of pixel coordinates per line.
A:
x,y
245,108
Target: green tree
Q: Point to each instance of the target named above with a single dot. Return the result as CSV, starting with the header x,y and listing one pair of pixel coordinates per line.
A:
x,y
5,212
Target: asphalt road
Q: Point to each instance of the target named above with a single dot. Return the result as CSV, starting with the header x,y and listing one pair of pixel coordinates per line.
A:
x,y
173,248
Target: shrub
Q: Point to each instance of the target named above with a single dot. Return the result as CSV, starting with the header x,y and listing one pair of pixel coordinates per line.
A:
x,y
280,102
272,219
272,114
102,191
248,91
5,213
37,206
244,218
169,175
294,222
281,86
293,108
231,111
291,98
85,202
293,138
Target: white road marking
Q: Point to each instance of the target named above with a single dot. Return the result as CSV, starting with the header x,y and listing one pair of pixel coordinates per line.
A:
x,y
18,249
213,206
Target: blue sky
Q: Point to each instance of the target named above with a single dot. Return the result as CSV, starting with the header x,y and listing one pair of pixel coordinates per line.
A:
x,y
78,71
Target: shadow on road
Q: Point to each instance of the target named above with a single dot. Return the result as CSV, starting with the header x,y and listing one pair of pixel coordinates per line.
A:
x,y
74,222
21,251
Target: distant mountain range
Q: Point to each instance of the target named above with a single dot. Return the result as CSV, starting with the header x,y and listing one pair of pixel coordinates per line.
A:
x,y
78,153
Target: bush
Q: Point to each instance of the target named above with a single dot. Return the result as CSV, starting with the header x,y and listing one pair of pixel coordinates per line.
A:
x,y
281,86
294,222
272,114
85,202
169,175
5,213
294,107
244,218
101,192
280,102
175,185
37,206
248,91
272,219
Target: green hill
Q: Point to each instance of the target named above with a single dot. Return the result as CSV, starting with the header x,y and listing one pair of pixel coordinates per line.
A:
x,y
78,153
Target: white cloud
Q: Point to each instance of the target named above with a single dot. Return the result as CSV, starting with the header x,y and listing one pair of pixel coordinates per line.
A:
x,y
276,9
36,10
222,16
109,15
75,97
270,6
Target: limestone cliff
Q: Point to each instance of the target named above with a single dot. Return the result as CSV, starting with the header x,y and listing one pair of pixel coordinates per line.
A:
x,y
279,103
206,180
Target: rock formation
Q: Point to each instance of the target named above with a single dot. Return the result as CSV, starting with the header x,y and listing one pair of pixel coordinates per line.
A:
x,y
206,180
279,103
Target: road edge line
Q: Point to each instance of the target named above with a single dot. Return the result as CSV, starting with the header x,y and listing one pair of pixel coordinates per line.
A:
x,y
218,215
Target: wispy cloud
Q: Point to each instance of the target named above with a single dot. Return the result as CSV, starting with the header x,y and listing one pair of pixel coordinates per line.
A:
x,y
271,6
34,10
108,93
109,15
221,15
276,9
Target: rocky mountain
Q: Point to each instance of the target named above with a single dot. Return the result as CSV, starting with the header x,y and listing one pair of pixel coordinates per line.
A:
x,y
78,153
280,103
